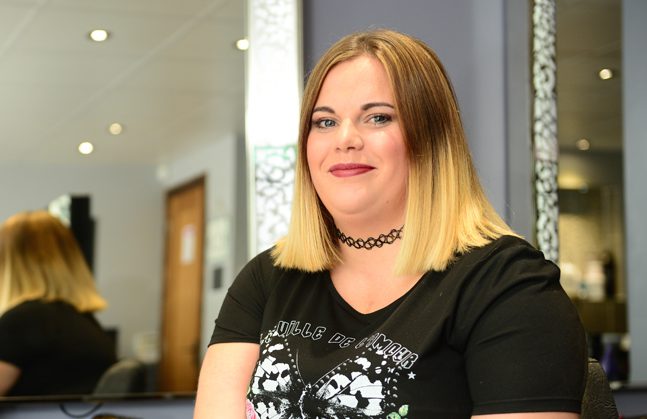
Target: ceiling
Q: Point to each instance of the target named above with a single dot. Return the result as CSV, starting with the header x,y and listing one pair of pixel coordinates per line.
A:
x,y
589,39
169,73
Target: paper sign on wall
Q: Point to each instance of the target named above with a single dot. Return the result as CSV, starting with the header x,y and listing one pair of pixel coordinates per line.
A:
x,y
187,244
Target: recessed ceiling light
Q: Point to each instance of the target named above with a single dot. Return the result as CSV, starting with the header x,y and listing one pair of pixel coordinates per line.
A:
x,y
242,44
99,35
86,148
605,74
583,144
115,128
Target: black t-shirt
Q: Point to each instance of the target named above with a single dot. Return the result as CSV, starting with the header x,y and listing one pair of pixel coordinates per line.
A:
x,y
58,349
493,333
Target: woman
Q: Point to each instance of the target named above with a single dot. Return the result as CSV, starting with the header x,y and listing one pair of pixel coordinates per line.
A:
x,y
398,291
50,342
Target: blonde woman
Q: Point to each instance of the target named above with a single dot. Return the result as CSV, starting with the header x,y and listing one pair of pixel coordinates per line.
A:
x,y
50,341
398,291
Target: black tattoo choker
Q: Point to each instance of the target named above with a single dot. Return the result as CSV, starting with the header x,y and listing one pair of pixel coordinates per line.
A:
x,y
370,242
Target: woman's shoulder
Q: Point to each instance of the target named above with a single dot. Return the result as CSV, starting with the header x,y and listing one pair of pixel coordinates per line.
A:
x,y
265,265
264,259
23,316
261,266
510,279
503,248
502,263
262,274
38,308
508,241
29,307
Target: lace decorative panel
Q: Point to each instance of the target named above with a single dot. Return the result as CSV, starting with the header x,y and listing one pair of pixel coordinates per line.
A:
x,y
546,149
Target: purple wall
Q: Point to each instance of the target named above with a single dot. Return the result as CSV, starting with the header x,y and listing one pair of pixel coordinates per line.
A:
x,y
468,36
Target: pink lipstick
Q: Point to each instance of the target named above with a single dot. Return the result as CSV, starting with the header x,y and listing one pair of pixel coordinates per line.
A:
x,y
349,169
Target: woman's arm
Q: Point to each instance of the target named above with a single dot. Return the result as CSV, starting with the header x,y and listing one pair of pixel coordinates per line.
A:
x,y
526,348
9,374
224,378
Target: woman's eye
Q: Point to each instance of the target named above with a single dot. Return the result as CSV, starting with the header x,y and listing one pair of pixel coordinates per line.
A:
x,y
324,123
380,119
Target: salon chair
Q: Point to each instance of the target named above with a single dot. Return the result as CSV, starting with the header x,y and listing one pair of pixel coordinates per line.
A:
x,y
125,376
598,401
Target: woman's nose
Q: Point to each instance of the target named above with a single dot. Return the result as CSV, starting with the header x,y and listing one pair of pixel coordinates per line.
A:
x,y
349,137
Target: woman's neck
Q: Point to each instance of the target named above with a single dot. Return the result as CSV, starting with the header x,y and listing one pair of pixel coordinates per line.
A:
x,y
366,279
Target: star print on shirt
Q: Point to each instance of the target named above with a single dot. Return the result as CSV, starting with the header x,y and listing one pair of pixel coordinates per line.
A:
x,y
412,375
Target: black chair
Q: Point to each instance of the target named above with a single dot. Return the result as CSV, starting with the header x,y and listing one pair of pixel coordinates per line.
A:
x,y
598,401
125,376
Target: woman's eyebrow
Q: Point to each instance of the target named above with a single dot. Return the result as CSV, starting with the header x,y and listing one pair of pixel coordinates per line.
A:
x,y
365,107
370,105
323,109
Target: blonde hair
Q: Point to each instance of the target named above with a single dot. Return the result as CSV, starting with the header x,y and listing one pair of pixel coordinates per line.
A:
x,y
447,211
40,259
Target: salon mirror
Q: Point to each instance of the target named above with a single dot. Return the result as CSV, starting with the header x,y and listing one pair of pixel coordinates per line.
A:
x,y
161,100
592,237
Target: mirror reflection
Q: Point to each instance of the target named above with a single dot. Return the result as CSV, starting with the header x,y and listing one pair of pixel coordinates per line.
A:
x,y
591,223
159,103
51,340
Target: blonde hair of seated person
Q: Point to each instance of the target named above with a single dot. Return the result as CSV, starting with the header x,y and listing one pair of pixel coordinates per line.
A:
x,y
41,260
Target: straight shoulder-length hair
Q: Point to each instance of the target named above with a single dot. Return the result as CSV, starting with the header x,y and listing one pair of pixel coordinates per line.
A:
x,y
41,260
447,212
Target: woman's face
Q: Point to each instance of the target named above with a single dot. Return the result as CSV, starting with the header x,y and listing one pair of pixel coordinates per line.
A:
x,y
356,152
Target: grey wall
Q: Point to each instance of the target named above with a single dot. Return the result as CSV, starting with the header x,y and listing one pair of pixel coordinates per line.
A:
x,y
467,35
520,209
634,91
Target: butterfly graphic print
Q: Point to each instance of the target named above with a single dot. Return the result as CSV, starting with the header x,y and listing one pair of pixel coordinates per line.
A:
x,y
360,387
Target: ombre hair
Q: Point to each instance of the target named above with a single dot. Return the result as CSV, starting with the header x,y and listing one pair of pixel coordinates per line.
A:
x,y
447,212
41,260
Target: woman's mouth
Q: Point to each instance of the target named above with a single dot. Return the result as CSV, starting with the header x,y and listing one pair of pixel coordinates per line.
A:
x,y
349,169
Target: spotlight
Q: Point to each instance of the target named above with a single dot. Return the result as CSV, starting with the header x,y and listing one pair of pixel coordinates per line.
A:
x,y
583,144
605,74
86,148
99,35
242,44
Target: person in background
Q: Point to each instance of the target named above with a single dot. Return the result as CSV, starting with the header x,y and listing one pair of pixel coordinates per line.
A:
x,y
398,291
50,341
